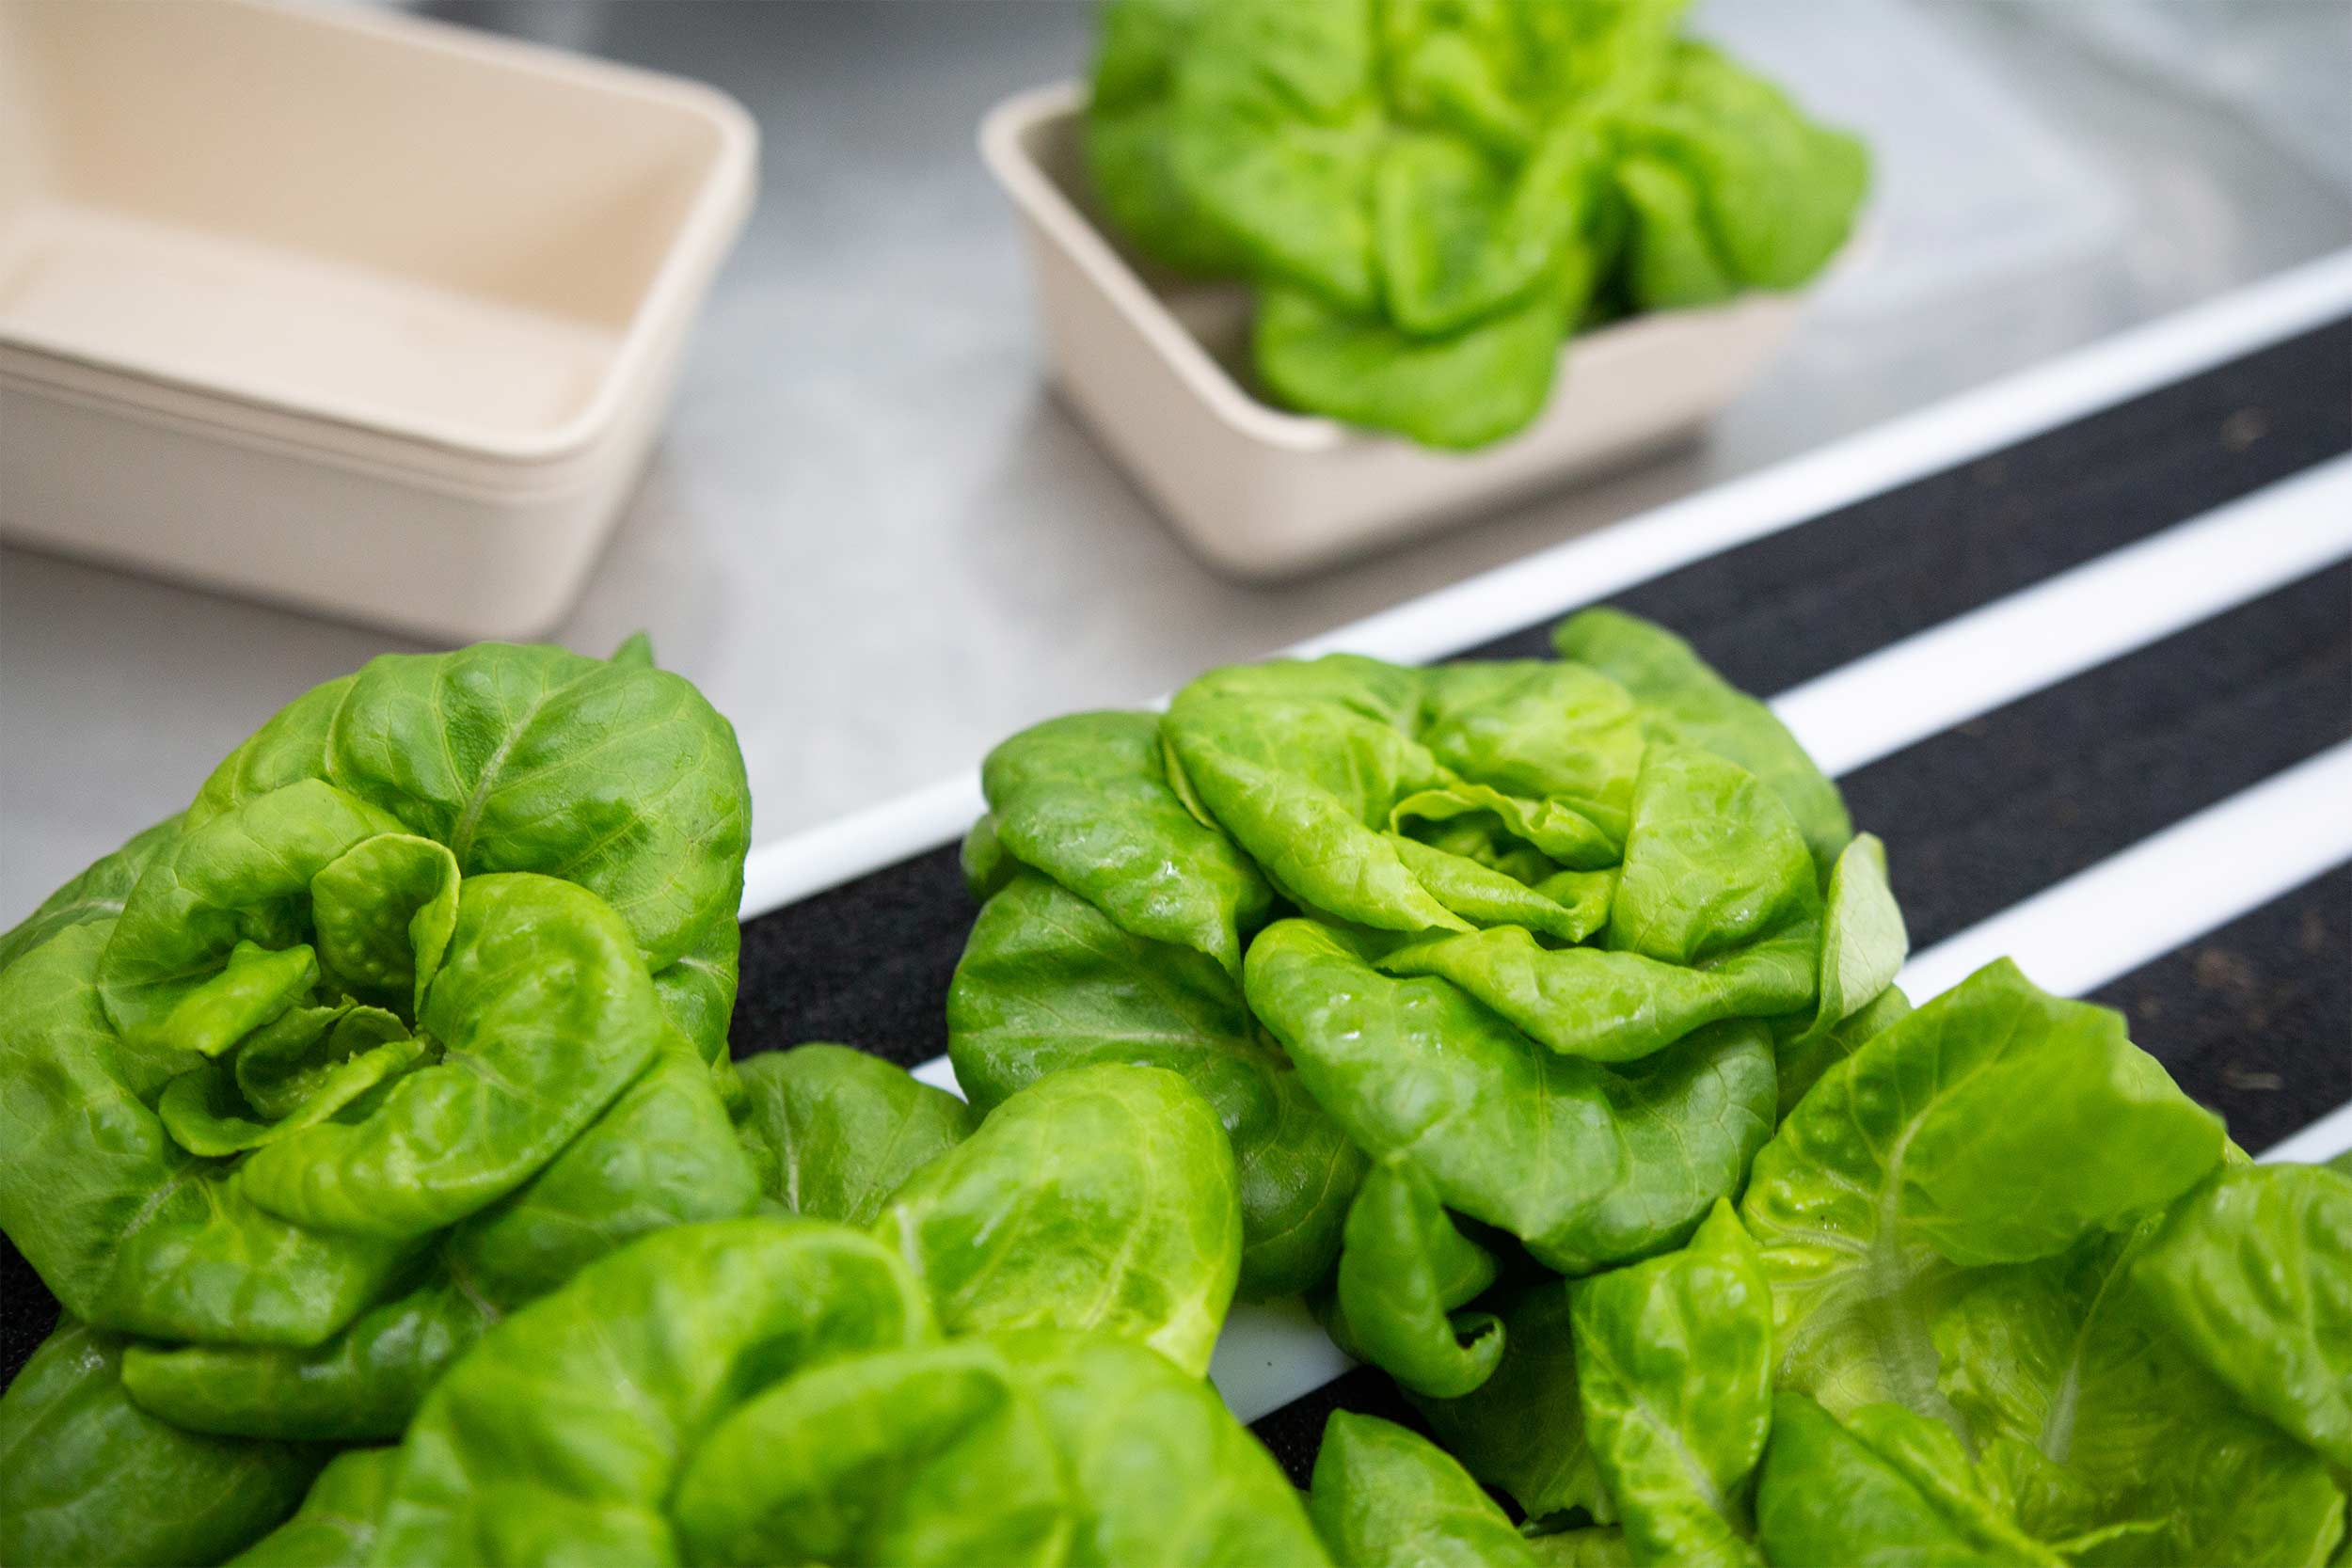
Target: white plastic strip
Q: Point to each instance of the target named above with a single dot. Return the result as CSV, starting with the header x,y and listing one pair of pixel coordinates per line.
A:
x,y
2064,625
1632,551
1940,437
778,874
2169,889
2323,1139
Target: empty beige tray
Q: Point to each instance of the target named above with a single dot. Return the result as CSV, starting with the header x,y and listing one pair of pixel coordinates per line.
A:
x,y
1146,359
370,314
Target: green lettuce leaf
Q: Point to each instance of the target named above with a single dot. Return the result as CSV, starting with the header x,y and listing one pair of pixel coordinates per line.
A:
x,y
1885,1487
1864,943
1277,136
1048,983
1098,1198
1523,1429
564,1431
1085,800
1675,1376
2252,1275
1684,700
1164,1475
1975,1131
929,1457
2109,1437
1405,1271
1474,386
1588,1165
836,1132
612,774
336,1526
1384,1497
88,1477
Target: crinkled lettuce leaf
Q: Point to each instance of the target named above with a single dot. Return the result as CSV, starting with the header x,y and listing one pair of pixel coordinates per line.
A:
x,y
1973,1132
1406,1272
1048,983
2252,1275
1588,1165
1675,1377
1098,1198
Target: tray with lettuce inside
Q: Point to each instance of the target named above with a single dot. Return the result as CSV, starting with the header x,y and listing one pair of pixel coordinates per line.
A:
x,y
1427,197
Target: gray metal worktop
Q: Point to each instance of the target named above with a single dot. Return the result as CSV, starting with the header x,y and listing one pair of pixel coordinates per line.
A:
x,y
879,544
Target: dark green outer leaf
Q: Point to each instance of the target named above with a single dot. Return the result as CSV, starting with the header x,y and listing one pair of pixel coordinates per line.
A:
x,y
613,775
361,1385
87,1477
697,990
1169,1479
98,893
929,1457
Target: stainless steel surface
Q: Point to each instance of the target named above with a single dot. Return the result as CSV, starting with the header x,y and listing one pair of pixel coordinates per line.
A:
x,y
879,544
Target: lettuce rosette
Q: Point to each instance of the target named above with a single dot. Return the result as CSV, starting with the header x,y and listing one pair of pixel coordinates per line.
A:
x,y
1996,1291
417,1007
995,1361
1523,944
